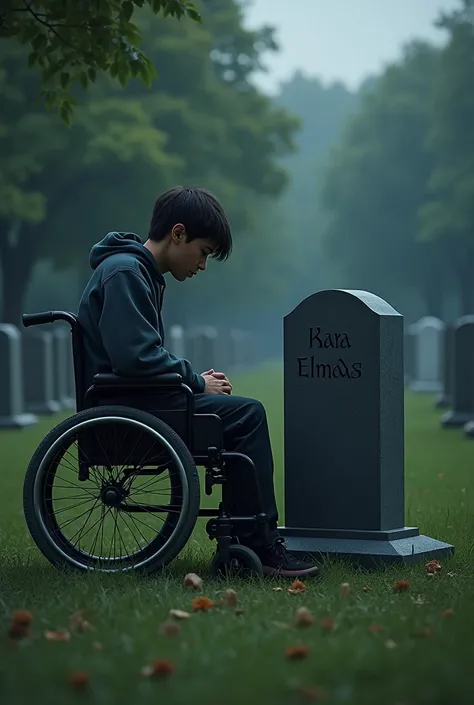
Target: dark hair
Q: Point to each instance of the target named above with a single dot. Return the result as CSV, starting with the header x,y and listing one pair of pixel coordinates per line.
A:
x,y
201,214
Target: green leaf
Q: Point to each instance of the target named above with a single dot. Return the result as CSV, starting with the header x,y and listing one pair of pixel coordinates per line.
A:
x,y
32,58
39,42
127,10
84,80
65,115
92,74
64,79
194,14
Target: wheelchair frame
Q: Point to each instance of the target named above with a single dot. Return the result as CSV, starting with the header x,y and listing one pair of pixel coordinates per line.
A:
x,y
222,525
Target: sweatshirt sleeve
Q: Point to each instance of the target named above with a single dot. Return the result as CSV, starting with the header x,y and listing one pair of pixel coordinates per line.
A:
x,y
127,327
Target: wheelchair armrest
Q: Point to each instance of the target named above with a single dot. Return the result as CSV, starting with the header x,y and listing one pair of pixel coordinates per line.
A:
x,y
167,380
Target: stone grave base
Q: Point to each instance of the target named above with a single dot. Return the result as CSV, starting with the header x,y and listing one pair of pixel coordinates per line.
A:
x,y
469,429
18,421
456,418
425,386
367,549
443,402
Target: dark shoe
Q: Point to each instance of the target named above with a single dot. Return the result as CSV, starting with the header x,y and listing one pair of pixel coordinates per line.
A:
x,y
277,560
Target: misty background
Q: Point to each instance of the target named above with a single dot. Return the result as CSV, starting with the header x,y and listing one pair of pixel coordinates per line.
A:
x,y
338,135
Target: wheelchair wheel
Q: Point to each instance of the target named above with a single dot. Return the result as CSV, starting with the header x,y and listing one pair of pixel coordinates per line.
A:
x,y
137,505
242,563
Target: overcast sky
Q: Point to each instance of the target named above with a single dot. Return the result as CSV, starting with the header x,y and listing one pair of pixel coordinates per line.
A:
x,y
342,39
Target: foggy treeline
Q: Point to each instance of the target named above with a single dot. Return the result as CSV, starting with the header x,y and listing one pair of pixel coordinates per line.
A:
x,y
325,187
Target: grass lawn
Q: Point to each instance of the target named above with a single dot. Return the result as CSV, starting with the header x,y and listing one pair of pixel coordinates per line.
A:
x,y
419,655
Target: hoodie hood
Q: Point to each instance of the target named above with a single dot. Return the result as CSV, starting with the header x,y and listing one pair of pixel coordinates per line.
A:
x,y
116,243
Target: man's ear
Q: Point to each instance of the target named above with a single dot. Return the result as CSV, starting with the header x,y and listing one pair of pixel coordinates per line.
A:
x,y
178,232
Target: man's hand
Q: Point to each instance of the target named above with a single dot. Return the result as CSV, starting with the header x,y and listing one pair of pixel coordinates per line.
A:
x,y
216,383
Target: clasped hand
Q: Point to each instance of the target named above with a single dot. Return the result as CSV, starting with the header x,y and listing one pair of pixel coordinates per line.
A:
x,y
216,383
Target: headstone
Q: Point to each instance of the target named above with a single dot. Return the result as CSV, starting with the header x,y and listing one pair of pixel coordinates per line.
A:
x,y
12,414
428,346
344,432
62,349
444,400
38,372
201,344
462,397
409,341
238,349
176,341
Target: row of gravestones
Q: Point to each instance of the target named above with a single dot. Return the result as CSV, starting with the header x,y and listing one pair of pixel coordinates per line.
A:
x,y
439,357
37,372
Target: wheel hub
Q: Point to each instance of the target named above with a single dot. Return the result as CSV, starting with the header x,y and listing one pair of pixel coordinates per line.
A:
x,y
113,494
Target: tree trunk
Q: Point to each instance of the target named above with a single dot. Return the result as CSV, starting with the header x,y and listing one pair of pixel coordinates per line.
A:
x,y
17,262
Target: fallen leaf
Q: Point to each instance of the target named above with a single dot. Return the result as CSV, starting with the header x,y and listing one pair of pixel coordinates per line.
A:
x,y
193,581
281,625
423,632
451,574
277,589
160,668
97,645
179,614
303,617
440,475
18,631
78,622
22,618
449,612
366,588
297,587
202,604
433,567
344,589
79,680
308,692
375,628
390,644
231,597
57,635
419,600
170,628
328,624
299,651
401,586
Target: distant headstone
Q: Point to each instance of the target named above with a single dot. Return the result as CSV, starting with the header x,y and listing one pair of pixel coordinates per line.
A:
x,y
176,341
12,414
409,342
428,347
62,349
201,344
38,372
344,431
462,397
444,400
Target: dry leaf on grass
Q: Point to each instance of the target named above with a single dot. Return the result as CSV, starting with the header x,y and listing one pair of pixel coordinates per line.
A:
x,y
390,644
309,692
423,632
375,628
57,635
297,587
22,618
20,623
193,581
231,597
159,668
401,586
170,628
366,588
179,614
433,567
299,651
202,604
97,645
79,680
281,625
344,589
449,612
328,624
303,617
79,623
277,589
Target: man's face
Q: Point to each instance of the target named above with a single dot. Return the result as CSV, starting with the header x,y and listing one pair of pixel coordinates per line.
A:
x,y
185,258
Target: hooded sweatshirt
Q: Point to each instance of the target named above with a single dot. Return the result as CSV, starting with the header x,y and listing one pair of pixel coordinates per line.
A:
x,y
120,314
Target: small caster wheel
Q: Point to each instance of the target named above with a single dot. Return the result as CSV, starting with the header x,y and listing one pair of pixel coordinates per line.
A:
x,y
242,563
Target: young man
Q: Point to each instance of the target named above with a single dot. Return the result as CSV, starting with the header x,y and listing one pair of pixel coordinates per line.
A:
x,y
120,313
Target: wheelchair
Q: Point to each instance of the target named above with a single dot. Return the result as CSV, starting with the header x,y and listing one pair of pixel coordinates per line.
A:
x,y
130,494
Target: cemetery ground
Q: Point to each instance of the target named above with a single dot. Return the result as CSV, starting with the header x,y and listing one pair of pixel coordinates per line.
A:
x,y
367,644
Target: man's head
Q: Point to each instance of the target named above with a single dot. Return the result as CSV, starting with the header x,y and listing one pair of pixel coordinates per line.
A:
x,y
188,225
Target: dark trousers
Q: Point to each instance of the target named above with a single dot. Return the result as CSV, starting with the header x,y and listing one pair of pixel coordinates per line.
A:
x,y
245,429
